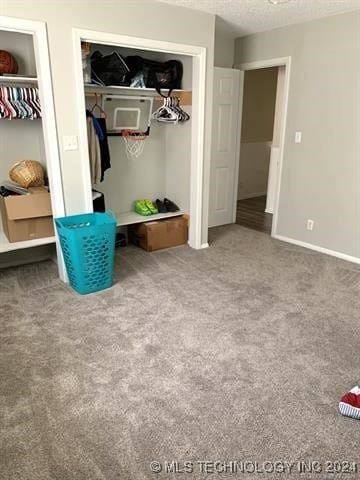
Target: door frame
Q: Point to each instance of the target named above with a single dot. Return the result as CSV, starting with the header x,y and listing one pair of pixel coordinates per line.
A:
x,y
198,113
273,62
41,49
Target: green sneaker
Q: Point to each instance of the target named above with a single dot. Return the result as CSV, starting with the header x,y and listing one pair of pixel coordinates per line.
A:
x,y
151,207
141,208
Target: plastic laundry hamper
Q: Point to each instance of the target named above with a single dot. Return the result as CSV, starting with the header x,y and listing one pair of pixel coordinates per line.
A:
x,y
88,246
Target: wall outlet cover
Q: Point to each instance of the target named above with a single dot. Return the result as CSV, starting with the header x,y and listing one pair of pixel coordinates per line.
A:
x,y
70,142
310,224
298,136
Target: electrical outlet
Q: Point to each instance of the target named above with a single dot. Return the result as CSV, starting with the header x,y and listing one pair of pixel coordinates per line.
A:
x,y
310,224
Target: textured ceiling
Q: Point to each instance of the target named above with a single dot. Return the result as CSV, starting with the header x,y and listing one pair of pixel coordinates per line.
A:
x,y
242,17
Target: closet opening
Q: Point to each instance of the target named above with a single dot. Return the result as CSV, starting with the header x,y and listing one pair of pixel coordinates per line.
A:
x,y
154,145
27,132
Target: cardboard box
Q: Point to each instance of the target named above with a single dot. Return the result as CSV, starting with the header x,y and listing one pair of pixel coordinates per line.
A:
x,y
26,217
159,234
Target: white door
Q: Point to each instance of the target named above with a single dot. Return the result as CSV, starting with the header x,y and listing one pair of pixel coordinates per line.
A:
x,y
228,92
273,179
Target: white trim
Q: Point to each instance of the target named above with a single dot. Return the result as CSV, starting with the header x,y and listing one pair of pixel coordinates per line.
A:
x,y
198,113
276,62
268,63
238,144
197,150
82,127
39,33
316,248
204,245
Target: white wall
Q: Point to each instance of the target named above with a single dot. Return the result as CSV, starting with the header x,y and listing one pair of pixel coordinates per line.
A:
x,y
21,46
20,140
253,169
321,176
178,163
142,177
141,18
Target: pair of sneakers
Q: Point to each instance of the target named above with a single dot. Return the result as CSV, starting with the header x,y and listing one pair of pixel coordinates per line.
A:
x,y
145,207
166,206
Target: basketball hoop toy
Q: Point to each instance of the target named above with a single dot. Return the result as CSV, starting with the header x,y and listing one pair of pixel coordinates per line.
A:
x,y
134,143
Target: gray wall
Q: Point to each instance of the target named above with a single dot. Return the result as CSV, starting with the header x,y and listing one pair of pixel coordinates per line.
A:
x,y
321,176
224,46
141,18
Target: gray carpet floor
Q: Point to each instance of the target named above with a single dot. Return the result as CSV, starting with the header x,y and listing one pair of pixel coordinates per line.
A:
x,y
235,353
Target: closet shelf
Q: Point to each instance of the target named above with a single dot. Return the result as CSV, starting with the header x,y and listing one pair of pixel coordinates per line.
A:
x,y
184,95
6,246
14,79
128,218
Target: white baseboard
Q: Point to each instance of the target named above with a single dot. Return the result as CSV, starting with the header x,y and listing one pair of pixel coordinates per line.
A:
x,y
269,211
310,246
204,245
252,195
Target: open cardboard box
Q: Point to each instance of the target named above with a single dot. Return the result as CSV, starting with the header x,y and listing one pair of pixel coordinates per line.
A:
x,y
27,217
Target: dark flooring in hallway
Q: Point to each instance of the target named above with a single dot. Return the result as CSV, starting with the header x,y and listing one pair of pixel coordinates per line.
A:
x,y
251,214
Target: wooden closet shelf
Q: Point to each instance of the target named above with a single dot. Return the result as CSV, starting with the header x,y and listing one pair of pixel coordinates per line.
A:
x,y
6,246
185,96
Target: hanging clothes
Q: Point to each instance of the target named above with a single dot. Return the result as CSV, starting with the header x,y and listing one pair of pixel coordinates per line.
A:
x,y
99,125
104,148
94,151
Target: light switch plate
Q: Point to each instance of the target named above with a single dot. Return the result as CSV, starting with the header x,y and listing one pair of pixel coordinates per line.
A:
x,y
298,136
70,142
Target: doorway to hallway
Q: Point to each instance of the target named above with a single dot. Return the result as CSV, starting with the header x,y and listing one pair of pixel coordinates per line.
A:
x,y
251,213
259,147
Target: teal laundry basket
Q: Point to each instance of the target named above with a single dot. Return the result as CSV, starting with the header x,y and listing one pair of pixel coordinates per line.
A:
x,y
88,246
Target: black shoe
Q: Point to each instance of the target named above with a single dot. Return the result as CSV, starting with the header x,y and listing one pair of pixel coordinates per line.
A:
x,y
170,206
120,240
160,206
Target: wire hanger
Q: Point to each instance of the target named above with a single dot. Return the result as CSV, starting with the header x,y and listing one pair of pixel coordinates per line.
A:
x,y
96,105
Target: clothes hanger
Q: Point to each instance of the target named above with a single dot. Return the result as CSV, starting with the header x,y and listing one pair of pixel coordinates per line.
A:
x,y
28,111
165,113
98,106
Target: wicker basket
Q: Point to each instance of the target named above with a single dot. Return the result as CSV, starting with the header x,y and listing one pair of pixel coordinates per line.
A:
x,y
27,173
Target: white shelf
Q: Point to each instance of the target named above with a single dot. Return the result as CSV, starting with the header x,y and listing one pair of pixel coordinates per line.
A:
x,y
6,246
17,79
91,88
128,218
